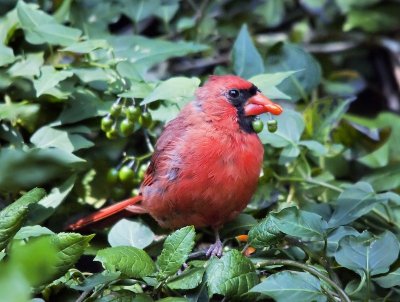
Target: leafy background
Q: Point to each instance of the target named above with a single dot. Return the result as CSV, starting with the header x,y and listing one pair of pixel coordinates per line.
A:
x,y
325,222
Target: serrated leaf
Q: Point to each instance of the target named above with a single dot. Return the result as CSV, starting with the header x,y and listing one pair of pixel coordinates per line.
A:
x,y
368,254
69,247
49,79
298,223
291,286
232,276
189,279
127,232
13,216
264,233
247,61
175,251
177,90
130,261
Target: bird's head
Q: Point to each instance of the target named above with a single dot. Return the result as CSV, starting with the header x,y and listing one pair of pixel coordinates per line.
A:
x,y
224,93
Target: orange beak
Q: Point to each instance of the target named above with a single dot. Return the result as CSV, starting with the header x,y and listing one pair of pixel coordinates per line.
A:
x,y
259,104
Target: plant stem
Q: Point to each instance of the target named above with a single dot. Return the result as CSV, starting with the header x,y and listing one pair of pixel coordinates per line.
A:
x,y
343,296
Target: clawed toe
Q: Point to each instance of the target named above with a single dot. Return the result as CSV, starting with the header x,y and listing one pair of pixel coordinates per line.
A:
x,y
215,249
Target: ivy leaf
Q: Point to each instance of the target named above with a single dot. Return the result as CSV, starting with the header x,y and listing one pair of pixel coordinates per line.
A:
x,y
291,286
49,79
298,223
267,83
28,67
368,254
247,60
389,280
232,276
13,216
47,137
128,232
354,202
87,46
287,57
189,279
264,233
177,90
175,251
130,261
69,247
40,28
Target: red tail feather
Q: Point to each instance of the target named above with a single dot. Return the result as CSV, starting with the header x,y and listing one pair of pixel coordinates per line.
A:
x,y
104,213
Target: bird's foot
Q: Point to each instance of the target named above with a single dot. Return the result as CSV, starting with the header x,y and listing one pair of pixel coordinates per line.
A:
x,y
215,249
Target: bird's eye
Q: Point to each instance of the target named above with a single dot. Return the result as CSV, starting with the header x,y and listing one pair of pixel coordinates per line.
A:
x,y
233,93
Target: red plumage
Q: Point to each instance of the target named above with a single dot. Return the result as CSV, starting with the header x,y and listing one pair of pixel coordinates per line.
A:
x,y
207,160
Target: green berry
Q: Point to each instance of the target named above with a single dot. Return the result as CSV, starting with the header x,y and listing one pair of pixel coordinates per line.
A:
x,y
145,120
126,127
126,174
112,133
115,110
272,126
133,113
106,123
112,176
257,126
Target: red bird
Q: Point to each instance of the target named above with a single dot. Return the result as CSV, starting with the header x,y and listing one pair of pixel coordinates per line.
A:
x,y
207,161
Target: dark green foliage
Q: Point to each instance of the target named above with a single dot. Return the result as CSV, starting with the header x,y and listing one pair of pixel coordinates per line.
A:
x,y
86,88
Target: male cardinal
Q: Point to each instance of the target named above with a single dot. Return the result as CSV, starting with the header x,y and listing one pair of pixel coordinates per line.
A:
x,y
206,163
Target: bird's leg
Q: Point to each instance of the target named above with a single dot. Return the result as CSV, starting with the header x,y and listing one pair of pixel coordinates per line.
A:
x,y
216,248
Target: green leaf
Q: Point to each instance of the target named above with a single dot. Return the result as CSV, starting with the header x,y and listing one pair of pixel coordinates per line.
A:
x,y
49,79
290,128
178,90
28,67
264,233
19,111
378,158
189,279
392,279
167,10
13,216
247,60
130,261
272,12
288,57
32,231
145,52
69,247
298,223
141,9
47,137
14,280
323,115
267,83
175,251
335,236
6,55
356,201
381,18
348,5
368,254
315,147
291,286
128,232
232,276
47,206
83,105
87,46
40,28
96,279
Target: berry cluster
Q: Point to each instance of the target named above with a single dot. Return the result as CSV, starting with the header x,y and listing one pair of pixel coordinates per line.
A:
x,y
258,125
120,122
